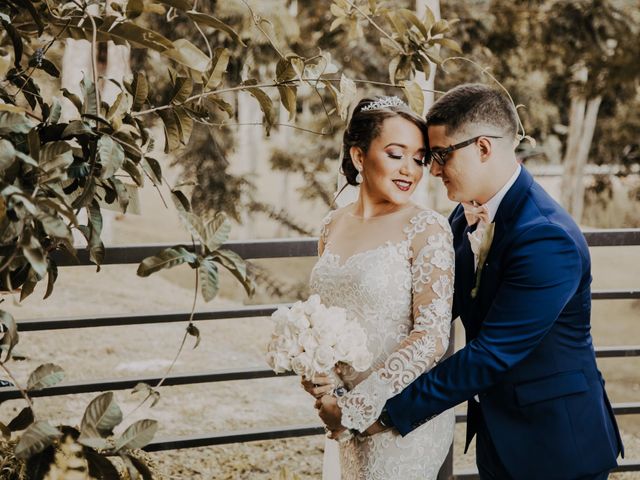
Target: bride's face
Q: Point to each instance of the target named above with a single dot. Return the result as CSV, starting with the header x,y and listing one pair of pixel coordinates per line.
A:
x,y
392,166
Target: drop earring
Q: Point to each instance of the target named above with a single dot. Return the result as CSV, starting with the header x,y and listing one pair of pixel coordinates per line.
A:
x,y
359,177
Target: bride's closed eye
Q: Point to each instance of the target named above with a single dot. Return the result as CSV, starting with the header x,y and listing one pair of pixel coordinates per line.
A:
x,y
399,156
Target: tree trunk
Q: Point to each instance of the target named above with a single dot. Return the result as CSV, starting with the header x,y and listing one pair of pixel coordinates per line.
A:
x,y
428,191
582,124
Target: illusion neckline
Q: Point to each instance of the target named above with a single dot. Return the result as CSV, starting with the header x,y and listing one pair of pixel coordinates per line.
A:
x,y
359,217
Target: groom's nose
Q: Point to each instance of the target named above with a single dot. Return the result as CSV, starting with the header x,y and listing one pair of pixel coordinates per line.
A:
x,y
435,169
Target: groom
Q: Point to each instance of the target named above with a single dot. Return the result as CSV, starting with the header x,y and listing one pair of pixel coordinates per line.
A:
x,y
537,402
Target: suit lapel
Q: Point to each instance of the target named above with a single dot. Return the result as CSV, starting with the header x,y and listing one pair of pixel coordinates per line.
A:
x,y
507,211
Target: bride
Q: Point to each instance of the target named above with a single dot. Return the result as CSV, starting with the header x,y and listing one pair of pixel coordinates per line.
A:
x,y
390,264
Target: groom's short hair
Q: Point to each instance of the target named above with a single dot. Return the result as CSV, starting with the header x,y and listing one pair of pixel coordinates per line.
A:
x,y
474,103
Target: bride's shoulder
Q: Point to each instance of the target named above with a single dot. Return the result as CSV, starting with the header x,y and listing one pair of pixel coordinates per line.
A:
x,y
423,219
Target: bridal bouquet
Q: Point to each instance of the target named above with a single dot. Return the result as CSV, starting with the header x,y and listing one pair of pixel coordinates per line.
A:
x,y
310,338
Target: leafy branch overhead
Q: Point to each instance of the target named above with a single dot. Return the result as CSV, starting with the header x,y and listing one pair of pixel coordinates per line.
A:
x,y
210,235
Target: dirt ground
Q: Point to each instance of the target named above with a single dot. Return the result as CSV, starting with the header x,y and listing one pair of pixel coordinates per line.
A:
x,y
97,353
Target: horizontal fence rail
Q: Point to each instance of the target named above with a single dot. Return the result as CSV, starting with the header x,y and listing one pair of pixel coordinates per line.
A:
x,y
264,249
296,247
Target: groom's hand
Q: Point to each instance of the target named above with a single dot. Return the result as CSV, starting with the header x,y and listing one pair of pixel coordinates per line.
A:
x,y
330,413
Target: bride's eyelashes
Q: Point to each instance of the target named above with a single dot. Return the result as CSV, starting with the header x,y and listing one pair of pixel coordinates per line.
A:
x,y
398,156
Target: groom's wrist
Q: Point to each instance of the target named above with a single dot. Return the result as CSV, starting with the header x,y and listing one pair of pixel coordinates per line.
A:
x,y
384,419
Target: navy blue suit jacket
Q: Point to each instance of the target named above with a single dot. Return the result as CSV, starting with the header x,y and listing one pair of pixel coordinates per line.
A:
x,y
529,354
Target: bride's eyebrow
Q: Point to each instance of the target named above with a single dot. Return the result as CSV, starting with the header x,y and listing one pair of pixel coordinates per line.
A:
x,y
396,144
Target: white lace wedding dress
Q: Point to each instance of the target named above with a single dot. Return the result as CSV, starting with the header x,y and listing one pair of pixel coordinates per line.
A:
x,y
394,274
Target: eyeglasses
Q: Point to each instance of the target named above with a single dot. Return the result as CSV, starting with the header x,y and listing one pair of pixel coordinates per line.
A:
x,y
440,155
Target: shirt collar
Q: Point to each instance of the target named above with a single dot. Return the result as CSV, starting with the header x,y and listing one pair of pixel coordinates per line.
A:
x,y
493,204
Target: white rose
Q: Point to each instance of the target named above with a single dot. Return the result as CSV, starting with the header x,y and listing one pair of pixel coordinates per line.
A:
x,y
323,327
298,321
338,317
362,361
324,359
308,341
301,365
312,304
278,361
288,344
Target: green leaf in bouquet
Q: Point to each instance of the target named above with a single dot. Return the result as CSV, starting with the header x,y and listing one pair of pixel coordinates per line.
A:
x,y
167,258
35,439
44,376
137,435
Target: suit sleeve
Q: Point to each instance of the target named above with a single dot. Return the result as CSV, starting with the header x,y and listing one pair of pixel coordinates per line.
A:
x,y
541,274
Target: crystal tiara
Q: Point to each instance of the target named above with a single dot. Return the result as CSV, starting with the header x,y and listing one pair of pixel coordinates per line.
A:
x,y
384,102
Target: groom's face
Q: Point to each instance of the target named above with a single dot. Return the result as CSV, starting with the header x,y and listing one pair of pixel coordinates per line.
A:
x,y
461,173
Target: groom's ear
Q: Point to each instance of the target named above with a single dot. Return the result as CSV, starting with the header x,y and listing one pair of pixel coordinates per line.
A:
x,y
484,144
357,156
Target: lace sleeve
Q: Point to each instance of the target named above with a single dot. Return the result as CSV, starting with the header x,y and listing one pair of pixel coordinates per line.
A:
x,y
324,231
432,273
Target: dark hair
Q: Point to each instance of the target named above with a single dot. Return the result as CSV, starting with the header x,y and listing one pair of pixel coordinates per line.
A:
x,y
365,126
472,103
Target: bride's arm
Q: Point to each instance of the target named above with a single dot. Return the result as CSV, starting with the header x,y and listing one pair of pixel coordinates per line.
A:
x,y
432,287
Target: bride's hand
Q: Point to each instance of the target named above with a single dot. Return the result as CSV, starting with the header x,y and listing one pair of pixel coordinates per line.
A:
x,y
318,386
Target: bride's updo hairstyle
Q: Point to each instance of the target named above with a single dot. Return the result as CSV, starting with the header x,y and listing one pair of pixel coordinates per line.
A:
x,y
366,123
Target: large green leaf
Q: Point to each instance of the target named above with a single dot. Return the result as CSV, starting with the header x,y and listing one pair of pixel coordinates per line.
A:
x,y
9,334
152,167
185,123
411,18
101,416
208,20
209,279
346,96
415,96
220,61
288,99
111,156
167,258
35,439
22,420
7,154
44,376
217,231
171,130
140,89
89,104
100,467
189,55
137,435
266,105
181,90
55,159
13,122
237,266
34,253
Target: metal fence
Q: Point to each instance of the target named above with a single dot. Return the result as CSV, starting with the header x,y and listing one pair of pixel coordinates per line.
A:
x,y
260,249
